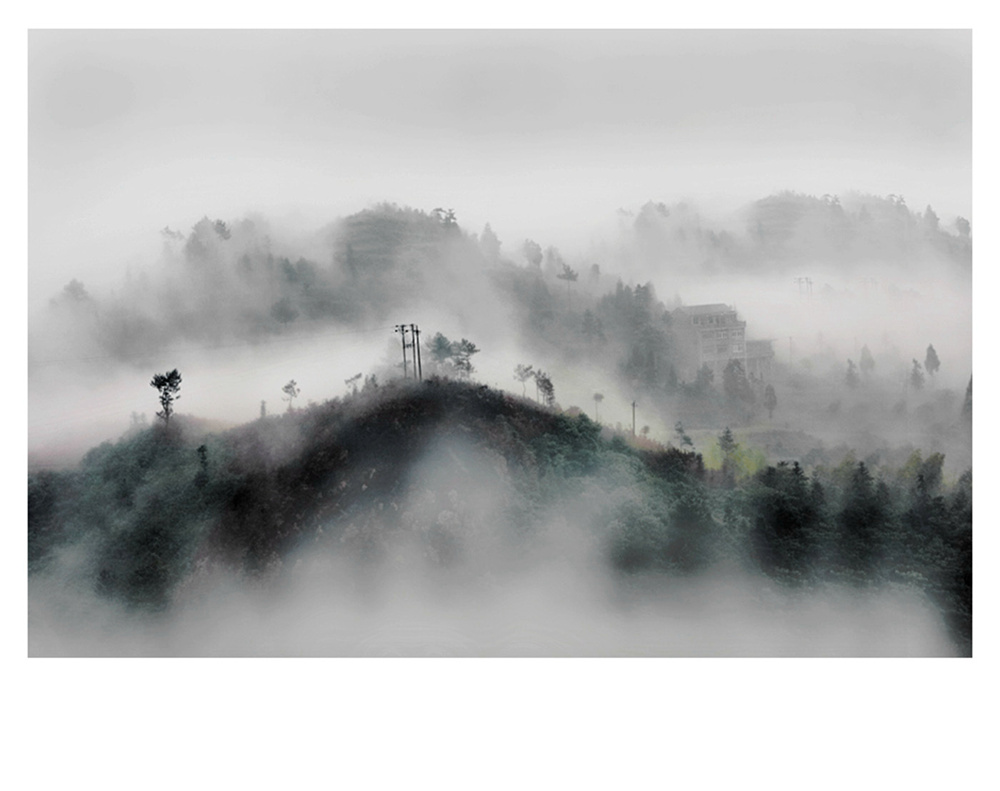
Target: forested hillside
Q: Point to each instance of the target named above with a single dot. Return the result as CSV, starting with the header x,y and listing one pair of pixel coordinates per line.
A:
x,y
468,482
842,461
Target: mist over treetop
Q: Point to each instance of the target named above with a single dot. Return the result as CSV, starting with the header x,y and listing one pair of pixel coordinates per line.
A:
x,y
466,487
245,279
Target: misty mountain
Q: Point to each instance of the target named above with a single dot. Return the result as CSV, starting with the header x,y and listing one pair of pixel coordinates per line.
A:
x,y
246,281
595,318
468,487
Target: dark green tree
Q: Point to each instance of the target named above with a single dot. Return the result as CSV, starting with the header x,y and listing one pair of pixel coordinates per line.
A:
x,y
168,385
728,445
545,388
863,521
785,526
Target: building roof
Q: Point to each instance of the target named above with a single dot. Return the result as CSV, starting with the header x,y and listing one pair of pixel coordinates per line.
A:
x,y
706,309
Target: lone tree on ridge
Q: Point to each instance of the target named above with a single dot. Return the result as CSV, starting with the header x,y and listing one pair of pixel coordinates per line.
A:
x,y
168,385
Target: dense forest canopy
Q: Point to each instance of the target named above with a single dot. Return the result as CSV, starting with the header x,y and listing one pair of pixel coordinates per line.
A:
x,y
471,482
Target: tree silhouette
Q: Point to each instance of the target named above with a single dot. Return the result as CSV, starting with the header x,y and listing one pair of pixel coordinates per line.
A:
x,y
546,388
931,361
533,252
727,442
862,520
291,392
447,218
461,354
728,445
569,275
168,385
770,401
916,376
523,373
598,397
440,349
489,244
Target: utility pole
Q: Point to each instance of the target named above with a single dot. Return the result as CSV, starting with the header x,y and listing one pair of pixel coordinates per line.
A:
x,y
414,330
633,419
415,334
401,329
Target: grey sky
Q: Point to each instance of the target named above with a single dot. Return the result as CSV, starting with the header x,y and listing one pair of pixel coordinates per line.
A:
x,y
539,133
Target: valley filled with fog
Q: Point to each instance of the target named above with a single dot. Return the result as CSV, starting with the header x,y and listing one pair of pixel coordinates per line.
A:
x,y
694,366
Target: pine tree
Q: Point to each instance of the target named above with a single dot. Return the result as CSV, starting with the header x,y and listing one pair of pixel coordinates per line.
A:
x,y
546,388
168,385
931,361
